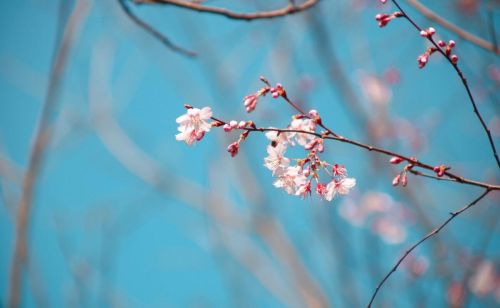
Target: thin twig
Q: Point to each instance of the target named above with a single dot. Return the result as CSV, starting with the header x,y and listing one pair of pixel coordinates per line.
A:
x,y
454,28
462,78
288,10
38,150
434,232
153,32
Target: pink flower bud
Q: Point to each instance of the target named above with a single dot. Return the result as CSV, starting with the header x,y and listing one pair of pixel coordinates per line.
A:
x,y
227,128
278,91
454,59
422,60
242,124
441,43
396,160
395,181
404,180
233,148
233,124
451,43
250,102
431,31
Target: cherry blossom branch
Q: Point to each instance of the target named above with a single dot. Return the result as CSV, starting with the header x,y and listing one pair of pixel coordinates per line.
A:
x,y
411,160
434,232
431,15
288,10
153,32
452,59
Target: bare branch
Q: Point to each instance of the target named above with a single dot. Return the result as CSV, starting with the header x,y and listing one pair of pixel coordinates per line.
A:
x,y
153,32
38,150
288,10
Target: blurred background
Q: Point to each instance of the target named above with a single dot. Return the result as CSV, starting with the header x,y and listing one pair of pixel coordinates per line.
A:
x,y
123,215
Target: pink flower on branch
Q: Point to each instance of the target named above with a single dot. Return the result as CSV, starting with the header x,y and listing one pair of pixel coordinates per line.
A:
x,y
194,124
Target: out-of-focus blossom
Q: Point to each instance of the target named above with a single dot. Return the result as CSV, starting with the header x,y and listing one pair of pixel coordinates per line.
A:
x,y
375,89
485,279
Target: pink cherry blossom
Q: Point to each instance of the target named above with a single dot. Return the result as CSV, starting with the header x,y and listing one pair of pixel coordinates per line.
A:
x,y
341,187
306,125
290,180
276,161
193,125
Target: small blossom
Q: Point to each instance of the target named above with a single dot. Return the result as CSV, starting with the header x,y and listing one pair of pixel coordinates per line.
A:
x,y
321,189
341,187
276,161
193,125
339,170
304,190
290,180
454,59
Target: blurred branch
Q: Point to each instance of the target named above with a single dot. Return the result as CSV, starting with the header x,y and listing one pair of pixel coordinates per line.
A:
x,y
456,29
38,150
434,232
141,165
462,78
288,10
9,170
491,24
153,32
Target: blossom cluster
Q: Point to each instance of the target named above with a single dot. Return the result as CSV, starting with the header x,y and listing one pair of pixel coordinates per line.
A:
x,y
300,177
